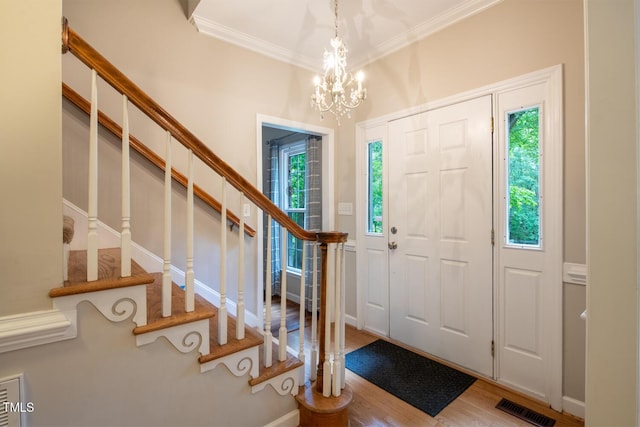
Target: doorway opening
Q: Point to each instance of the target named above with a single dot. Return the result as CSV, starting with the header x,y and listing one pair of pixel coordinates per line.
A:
x,y
295,171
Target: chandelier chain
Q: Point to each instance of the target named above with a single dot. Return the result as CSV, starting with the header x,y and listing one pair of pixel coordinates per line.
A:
x,y
335,11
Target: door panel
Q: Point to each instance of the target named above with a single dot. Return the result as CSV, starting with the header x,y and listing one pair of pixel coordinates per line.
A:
x,y
441,205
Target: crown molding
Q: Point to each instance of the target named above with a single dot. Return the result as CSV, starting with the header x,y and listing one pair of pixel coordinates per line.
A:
x,y
425,29
419,32
238,38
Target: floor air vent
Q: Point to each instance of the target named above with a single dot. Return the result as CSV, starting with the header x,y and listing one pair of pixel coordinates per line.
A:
x,y
525,414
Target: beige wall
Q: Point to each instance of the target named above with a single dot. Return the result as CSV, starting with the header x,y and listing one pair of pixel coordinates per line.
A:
x,y
208,85
30,163
102,379
213,88
612,298
508,40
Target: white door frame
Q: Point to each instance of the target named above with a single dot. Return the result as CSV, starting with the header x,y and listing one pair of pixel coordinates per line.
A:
x,y
552,76
328,198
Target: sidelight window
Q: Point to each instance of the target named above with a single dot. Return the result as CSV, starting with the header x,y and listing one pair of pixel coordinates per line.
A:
x,y
523,176
374,187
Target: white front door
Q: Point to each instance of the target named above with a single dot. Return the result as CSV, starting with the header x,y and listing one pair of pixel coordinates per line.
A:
x,y
444,288
440,233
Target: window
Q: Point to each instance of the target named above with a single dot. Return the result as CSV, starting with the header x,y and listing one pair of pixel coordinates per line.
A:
x,y
523,174
374,187
293,159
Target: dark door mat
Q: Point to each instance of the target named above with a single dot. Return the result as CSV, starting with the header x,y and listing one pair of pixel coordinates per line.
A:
x,y
419,381
525,414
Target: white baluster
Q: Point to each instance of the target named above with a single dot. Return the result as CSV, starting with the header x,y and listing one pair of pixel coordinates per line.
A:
x,y
92,211
125,236
342,318
268,341
189,277
222,311
166,268
282,333
337,363
327,376
240,305
303,273
314,315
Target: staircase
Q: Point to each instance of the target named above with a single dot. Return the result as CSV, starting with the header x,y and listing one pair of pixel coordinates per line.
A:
x,y
121,289
139,296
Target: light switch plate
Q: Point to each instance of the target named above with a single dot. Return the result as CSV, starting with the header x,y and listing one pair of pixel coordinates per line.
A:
x,y
345,208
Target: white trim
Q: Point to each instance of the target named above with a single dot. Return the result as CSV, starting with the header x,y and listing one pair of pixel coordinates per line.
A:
x,y
406,38
573,406
574,273
427,28
36,328
351,245
513,83
351,320
328,191
247,41
292,419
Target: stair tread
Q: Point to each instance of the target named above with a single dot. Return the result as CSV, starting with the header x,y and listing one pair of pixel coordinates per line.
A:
x,y
108,274
108,278
155,321
252,338
276,368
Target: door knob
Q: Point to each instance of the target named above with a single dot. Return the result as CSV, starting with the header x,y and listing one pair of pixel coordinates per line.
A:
x,y
393,245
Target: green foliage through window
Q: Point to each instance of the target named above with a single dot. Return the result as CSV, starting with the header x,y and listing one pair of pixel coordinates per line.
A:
x,y
524,177
374,175
295,158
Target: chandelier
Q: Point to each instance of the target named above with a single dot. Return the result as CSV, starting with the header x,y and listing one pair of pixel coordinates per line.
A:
x,y
337,90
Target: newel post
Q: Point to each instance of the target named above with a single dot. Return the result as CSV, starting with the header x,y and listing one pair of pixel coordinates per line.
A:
x,y
322,317
326,402
327,289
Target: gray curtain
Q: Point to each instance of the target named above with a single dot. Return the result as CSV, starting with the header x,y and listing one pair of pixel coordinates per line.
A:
x,y
273,191
313,216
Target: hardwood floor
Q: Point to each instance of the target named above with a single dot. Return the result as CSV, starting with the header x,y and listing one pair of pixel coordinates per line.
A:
x,y
374,407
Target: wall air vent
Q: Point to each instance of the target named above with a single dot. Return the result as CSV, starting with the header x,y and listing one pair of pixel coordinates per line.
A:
x,y
12,407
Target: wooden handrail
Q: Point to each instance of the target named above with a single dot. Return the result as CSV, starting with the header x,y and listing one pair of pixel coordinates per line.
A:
x,y
73,43
76,99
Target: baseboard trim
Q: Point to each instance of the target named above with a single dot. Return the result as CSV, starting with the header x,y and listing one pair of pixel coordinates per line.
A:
x,y
350,320
288,420
573,406
36,328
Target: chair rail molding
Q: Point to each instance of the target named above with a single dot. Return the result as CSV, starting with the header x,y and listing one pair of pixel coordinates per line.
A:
x,y
574,273
37,328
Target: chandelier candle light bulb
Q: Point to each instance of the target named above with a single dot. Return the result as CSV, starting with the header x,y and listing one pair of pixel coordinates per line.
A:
x,y
331,89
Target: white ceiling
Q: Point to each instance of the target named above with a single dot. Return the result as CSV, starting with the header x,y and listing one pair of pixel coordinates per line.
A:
x,y
298,31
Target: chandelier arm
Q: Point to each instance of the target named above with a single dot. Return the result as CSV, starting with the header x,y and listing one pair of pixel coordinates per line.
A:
x,y
336,82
